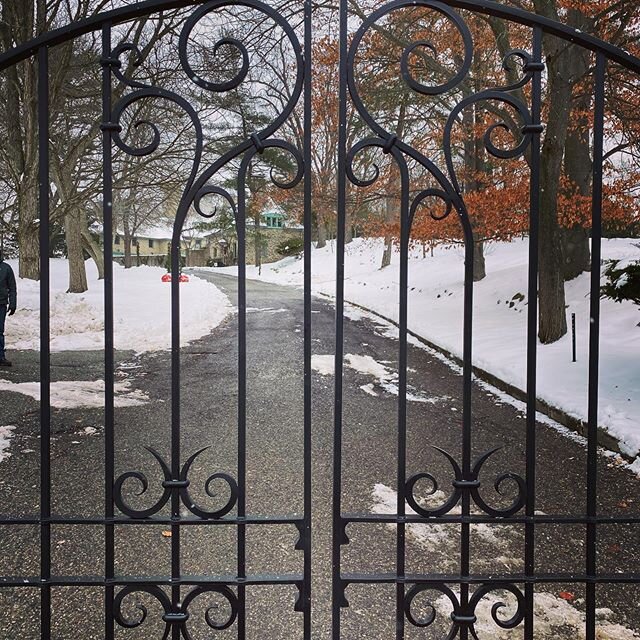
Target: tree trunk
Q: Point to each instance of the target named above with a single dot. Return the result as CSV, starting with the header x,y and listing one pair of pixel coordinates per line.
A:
x,y
388,251
28,235
552,323
127,248
479,267
93,249
73,224
348,226
322,234
576,251
577,163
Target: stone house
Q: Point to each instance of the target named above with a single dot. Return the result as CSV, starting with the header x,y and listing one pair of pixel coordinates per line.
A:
x,y
223,243
218,247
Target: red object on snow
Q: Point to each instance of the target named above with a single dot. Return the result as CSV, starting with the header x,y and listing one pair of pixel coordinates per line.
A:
x,y
167,278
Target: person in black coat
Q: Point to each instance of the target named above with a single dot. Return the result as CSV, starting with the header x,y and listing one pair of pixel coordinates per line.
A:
x,y
8,302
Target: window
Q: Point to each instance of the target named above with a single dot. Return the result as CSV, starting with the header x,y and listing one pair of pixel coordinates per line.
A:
x,y
117,239
150,243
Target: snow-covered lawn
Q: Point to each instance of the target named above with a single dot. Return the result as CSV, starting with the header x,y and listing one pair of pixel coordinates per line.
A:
x,y
142,311
500,318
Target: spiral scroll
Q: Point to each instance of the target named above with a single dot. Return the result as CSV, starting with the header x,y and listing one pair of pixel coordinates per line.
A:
x,y
463,614
176,617
469,483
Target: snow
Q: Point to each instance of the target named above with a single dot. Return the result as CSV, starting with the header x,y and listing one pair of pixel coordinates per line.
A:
x,y
385,377
435,305
554,617
78,393
142,310
6,434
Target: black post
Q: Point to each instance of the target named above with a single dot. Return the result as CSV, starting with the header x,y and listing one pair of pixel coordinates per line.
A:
x,y
573,335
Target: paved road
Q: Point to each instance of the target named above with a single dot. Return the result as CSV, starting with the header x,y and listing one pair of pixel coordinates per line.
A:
x,y
275,417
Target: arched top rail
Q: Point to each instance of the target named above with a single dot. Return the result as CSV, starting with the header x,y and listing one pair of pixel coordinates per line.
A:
x,y
487,7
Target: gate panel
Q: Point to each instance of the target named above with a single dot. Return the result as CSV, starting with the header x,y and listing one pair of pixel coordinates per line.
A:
x,y
172,595
467,503
467,506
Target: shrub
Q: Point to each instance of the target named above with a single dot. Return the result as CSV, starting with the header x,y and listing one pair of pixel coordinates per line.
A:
x,y
623,281
290,246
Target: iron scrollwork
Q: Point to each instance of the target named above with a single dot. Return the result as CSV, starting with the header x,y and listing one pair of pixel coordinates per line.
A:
x,y
466,483
180,484
178,616
196,188
448,191
464,616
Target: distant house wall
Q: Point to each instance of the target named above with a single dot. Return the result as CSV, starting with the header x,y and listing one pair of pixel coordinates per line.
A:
x,y
220,248
271,239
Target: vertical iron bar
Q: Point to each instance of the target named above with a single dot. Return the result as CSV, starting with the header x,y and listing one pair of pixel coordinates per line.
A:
x,y
175,423
337,427
45,355
107,224
308,9
532,338
402,394
242,390
574,355
467,371
594,343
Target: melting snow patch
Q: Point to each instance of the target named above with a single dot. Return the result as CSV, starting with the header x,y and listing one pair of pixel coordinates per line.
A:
x,y
265,310
385,377
5,440
324,365
441,538
368,388
554,617
77,394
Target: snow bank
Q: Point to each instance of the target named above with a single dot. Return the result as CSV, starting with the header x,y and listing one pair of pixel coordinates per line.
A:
x,y
500,320
142,310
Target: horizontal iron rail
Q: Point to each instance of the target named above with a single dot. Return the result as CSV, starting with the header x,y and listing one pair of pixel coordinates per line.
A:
x,y
488,7
488,519
99,581
295,579
372,518
511,578
185,520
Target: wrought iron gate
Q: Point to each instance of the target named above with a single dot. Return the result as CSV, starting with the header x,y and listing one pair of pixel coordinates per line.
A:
x,y
175,592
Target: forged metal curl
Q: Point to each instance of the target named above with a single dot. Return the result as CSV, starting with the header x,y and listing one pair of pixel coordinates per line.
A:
x,y
451,15
126,47
463,616
142,479
528,66
152,590
192,505
471,484
212,190
448,188
179,484
194,189
178,617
